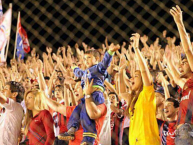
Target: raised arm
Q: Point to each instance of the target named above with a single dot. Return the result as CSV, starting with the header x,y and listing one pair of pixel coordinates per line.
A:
x,y
122,85
78,72
175,74
168,73
186,44
164,83
141,61
144,41
72,96
110,86
45,64
29,74
50,87
105,63
42,82
60,65
91,107
49,50
55,105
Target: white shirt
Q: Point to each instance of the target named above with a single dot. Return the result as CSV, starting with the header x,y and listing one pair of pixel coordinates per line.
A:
x,y
126,122
105,134
24,106
10,123
56,121
56,128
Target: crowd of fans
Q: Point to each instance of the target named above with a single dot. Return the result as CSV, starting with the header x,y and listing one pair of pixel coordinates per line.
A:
x,y
136,93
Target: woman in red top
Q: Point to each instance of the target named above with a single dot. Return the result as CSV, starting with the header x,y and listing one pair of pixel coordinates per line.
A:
x,y
38,121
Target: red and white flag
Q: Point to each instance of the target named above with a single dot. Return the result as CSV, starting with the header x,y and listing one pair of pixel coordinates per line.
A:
x,y
22,43
5,29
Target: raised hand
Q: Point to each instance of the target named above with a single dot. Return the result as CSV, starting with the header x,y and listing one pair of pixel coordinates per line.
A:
x,y
78,50
69,50
39,65
168,54
164,33
49,50
113,47
123,49
59,51
64,49
156,43
106,43
76,46
38,56
122,61
144,39
104,48
55,57
176,12
33,52
88,89
85,46
135,38
173,39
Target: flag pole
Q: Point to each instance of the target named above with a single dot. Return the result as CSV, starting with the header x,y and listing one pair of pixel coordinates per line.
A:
x,y
10,6
7,48
16,34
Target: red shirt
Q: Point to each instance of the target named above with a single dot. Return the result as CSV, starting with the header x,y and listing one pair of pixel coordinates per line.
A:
x,y
42,126
62,123
185,114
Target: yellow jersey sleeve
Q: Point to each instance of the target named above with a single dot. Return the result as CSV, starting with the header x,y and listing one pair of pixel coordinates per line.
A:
x,y
148,93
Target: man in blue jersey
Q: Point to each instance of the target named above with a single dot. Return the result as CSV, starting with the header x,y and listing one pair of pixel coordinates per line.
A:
x,y
167,128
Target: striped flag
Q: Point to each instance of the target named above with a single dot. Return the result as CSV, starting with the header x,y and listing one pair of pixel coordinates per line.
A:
x,y
5,29
22,44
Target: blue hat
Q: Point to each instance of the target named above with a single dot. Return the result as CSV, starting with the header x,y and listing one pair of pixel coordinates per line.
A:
x,y
160,90
183,56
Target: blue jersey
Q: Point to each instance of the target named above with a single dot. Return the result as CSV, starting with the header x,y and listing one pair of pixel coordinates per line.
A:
x,y
167,132
97,72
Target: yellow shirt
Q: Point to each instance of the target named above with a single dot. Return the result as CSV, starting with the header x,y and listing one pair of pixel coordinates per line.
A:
x,y
143,126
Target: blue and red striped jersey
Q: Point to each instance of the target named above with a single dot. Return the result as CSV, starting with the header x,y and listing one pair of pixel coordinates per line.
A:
x,y
185,114
167,132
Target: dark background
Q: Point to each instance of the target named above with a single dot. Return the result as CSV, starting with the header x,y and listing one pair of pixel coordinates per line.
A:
x,y
61,23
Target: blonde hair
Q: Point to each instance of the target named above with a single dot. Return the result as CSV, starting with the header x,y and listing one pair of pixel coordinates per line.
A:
x,y
39,105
